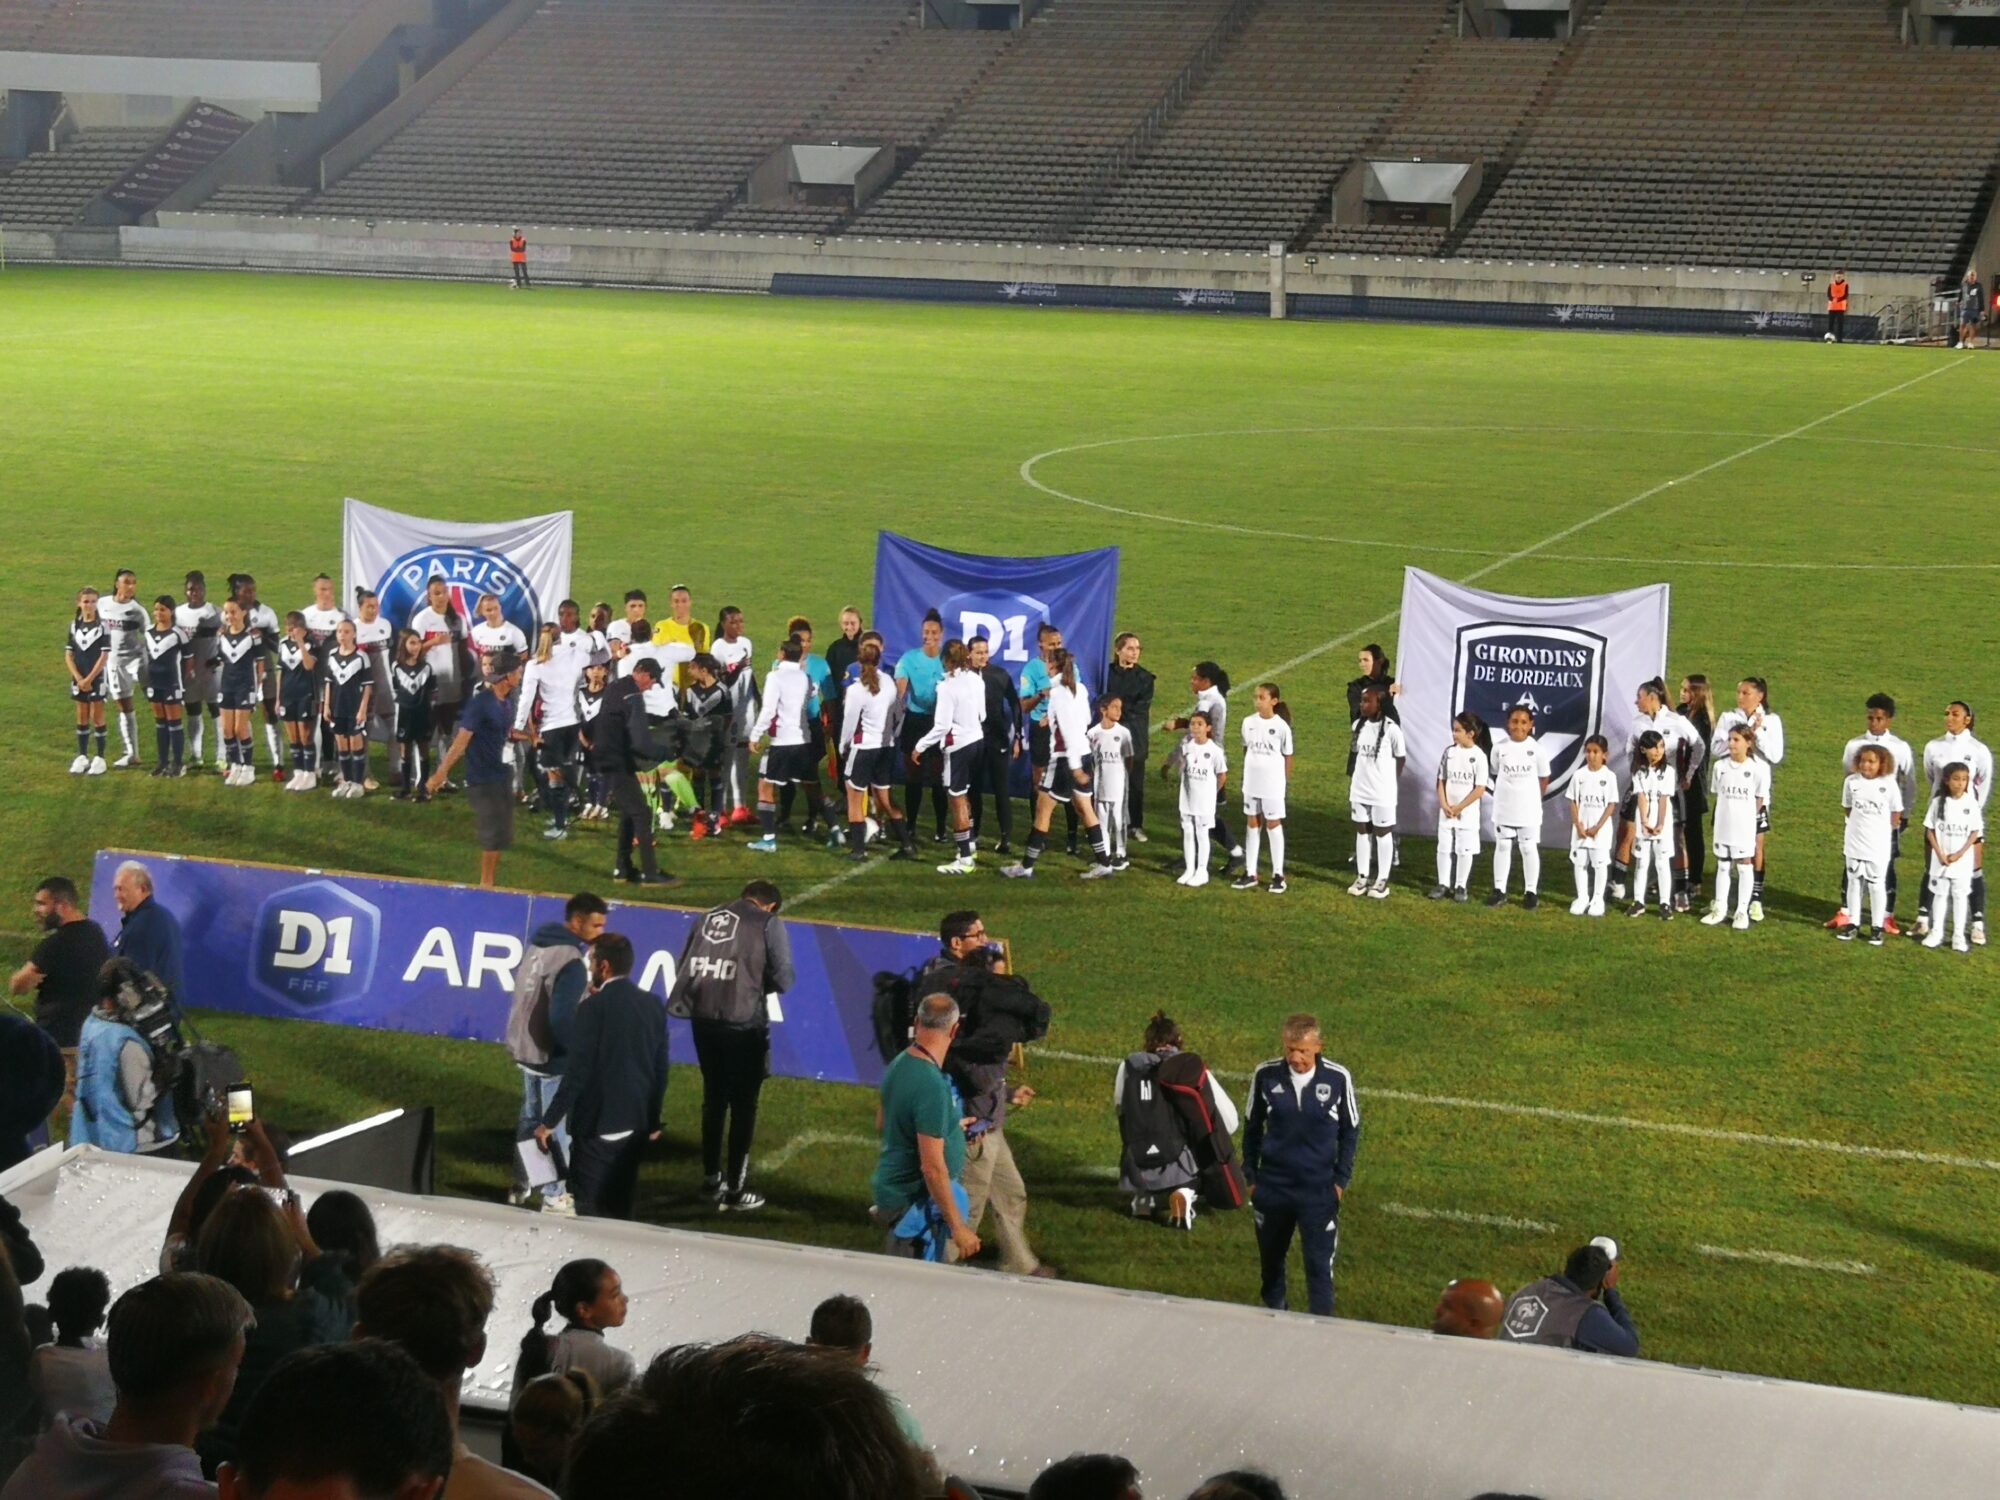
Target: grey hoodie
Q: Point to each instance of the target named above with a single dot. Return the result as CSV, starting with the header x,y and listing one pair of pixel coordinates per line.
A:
x,y
72,1461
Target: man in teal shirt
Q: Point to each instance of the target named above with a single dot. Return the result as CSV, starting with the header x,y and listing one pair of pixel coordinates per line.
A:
x,y
915,1189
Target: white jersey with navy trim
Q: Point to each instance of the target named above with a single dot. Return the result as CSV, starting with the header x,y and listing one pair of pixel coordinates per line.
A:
x,y
1592,794
867,720
1736,789
128,623
1678,730
1519,769
1110,747
1379,750
1872,803
1463,768
1203,765
782,718
1266,745
959,717
1902,761
1963,749
1767,746
1654,790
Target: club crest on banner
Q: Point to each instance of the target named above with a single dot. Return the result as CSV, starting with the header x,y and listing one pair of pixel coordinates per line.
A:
x,y
468,572
1554,671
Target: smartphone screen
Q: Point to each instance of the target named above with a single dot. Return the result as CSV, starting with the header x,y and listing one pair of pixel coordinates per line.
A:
x,y
241,1108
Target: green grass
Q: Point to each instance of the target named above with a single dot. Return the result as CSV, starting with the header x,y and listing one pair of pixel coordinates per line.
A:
x,y
752,448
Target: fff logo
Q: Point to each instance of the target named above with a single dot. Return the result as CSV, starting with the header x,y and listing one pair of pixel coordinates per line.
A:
x,y
315,945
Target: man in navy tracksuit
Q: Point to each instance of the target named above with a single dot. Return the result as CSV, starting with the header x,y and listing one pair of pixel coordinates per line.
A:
x,y
1298,1154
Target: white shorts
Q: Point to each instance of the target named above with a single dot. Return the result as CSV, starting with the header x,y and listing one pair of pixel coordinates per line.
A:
x,y
124,677
1740,854
1955,876
1516,834
1661,844
1271,809
1377,815
1591,849
1463,827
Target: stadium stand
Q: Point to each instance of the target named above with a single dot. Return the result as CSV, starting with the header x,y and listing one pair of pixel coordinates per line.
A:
x,y
1710,132
51,190
625,113
1073,90
903,98
252,29
1287,106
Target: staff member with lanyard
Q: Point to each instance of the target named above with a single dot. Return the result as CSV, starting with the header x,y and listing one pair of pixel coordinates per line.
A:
x,y
1298,1156
918,674
481,741
737,957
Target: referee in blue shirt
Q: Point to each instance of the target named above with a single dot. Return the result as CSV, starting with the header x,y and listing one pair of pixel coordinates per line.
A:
x,y
1298,1155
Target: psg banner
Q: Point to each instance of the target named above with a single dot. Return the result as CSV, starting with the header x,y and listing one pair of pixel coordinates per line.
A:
x,y
411,955
1577,663
525,563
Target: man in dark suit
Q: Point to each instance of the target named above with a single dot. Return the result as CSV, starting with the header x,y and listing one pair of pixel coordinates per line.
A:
x,y
614,1082
621,747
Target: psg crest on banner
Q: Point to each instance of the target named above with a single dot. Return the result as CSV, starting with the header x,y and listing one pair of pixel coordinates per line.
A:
x,y
524,563
1556,672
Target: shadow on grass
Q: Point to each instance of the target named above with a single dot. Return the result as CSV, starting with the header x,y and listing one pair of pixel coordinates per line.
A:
x,y
1977,1255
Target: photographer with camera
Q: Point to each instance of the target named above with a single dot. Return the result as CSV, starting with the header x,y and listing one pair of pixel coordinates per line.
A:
x,y
124,1085
1000,1013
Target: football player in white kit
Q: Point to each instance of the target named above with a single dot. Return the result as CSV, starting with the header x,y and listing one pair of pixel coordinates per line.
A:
x,y
1267,770
1739,786
1204,770
1753,712
323,617
781,727
1655,786
1520,782
1379,753
1955,833
1881,715
1685,749
203,623
1111,774
958,732
376,638
869,709
1959,744
547,715
126,619
262,621
1874,805
732,650
1593,819
1465,775
441,628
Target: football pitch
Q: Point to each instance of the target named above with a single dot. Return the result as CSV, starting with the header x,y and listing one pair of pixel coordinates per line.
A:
x,y
1794,1139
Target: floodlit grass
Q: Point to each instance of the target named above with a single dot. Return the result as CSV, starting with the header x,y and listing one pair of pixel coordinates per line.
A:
x,y
753,447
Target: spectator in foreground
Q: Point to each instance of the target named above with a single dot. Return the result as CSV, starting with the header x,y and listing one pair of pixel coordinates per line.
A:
x,y
547,1415
149,934
174,1346
1579,1309
591,1298
432,1301
842,1326
301,1297
1468,1310
1240,1484
752,1417
211,1180
343,1228
74,1374
915,1192
1087,1476
31,1084
62,971
359,1420
613,1085
119,1103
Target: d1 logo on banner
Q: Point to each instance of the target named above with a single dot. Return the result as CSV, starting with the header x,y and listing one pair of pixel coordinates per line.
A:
x,y
468,572
1010,622
315,945
1554,671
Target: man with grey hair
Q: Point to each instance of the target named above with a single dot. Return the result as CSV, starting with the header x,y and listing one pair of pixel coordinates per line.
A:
x,y
149,935
174,1345
917,1197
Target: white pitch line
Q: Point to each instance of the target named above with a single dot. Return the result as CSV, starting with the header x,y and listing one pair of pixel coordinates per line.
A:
x,y
1780,1258
1028,465
1460,1216
1627,1122
806,1140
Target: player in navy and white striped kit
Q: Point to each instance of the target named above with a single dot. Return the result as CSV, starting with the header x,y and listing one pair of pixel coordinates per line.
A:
x,y
1298,1157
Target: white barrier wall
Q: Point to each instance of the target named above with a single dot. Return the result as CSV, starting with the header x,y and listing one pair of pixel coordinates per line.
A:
x,y
1006,1374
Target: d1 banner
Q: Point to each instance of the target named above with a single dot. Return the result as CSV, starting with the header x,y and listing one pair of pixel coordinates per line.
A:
x,y
411,955
525,563
1005,599
1577,663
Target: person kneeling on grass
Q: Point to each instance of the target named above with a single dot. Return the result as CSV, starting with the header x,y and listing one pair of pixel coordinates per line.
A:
x,y
1175,1125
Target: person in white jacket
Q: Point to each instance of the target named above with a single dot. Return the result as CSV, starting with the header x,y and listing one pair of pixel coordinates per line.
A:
x,y
1685,750
1753,711
958,732
1958,745
1065,778
781,729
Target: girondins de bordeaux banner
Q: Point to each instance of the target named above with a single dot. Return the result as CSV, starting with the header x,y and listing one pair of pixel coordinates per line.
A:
x,y
409,955
525,563
1576,662
1005,599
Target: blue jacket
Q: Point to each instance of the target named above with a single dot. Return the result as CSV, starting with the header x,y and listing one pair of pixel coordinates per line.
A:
x,y
103,1115
150,936
1297,1147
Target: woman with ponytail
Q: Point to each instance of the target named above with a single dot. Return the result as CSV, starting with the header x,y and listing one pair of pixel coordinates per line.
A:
x,y
1064,780
590,1298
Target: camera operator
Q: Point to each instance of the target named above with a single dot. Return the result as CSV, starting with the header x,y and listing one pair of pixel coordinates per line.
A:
x,y
1000,1013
